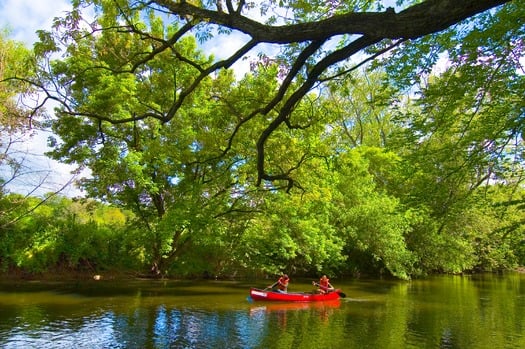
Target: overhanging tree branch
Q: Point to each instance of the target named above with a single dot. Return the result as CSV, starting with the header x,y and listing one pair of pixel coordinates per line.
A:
x,y
421,19
415,21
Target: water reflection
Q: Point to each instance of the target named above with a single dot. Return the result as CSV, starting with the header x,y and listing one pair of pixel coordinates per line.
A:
x,y
89,333
440,312
284,306
280,311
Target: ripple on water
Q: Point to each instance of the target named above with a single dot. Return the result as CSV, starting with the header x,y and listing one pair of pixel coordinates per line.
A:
x,y
90,332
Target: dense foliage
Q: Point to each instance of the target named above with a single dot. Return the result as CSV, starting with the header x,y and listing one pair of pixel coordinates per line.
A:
x,y
395,168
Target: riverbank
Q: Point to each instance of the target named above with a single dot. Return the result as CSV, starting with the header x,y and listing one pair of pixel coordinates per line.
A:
x,y
75,275
70,276
107,275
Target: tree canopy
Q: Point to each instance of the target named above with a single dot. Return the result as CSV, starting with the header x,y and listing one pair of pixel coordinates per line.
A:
x,y
317,41
362,137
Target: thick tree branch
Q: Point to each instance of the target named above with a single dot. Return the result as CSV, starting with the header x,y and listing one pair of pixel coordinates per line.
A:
x,y
290,103
415,21
424,18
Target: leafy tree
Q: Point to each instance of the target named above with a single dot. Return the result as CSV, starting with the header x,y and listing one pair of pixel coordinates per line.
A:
x,y
360,110
14,116
15,119
174,177
16,124
374,223
174,137
19,122
461,137
65,235
308,56
294,234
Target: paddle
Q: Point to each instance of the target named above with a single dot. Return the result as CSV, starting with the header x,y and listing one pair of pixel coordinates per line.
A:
x,y
341,294
272,286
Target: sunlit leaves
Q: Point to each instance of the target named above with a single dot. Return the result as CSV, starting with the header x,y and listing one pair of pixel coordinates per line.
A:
x,y
173,138
16,61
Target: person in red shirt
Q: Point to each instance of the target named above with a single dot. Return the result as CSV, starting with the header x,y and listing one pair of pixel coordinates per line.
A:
x,y
281,284
324,285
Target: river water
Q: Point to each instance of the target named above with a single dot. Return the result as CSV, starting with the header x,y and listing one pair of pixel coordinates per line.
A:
x,y
479,311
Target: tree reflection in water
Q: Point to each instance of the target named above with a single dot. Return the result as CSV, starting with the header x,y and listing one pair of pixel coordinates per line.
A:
x,y
439,312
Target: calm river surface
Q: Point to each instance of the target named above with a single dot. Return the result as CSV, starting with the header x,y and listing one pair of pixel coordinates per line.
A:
x,y
480,311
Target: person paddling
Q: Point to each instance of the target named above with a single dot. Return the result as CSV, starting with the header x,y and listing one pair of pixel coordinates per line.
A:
x,y
281,284
324,285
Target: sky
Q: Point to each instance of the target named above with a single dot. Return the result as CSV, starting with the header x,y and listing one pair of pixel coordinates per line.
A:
x,y
25,17
22,18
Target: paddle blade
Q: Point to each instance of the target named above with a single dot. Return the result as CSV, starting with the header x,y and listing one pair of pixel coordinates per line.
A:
x,y
341,294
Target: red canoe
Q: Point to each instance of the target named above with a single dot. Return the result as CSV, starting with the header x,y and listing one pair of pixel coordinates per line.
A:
x,y
264,295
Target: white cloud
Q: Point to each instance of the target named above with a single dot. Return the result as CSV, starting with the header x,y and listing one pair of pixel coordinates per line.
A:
x,y
25,17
